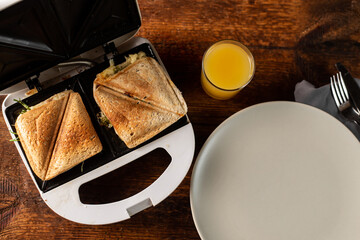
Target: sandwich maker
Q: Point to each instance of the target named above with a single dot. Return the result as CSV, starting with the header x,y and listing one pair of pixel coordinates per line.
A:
x,y
56,45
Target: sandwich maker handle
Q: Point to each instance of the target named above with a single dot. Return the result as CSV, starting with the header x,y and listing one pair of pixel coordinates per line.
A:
x,y
65,200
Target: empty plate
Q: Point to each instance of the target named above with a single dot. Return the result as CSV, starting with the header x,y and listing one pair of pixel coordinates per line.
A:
x,y
278,171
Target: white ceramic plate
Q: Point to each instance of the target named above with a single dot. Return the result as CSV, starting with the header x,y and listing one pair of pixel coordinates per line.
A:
x,y
278,171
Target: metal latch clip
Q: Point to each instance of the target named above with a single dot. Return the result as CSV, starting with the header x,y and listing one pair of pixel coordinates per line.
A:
x,y
110,51
33,82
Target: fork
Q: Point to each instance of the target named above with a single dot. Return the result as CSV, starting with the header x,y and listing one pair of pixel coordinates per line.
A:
x,y
342,100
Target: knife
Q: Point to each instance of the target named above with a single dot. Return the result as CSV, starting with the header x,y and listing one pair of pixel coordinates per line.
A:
x,y
351,85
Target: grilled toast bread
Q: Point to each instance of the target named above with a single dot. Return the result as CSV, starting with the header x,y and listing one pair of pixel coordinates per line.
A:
x,y
37,130
139,101
134,121
76,141
145,80
57,134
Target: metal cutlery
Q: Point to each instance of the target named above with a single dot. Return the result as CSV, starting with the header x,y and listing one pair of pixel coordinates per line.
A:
x,y
342,99
351,86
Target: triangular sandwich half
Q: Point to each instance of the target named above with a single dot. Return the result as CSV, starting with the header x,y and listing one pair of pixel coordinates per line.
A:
x,y
37,130
145,80
138,98
134,121
76,141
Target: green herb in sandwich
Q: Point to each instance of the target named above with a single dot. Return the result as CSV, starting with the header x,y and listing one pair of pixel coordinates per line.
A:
x,y
27,108
103,120
82,167
14,139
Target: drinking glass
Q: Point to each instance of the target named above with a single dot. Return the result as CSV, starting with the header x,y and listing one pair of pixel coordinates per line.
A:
x,y
227,67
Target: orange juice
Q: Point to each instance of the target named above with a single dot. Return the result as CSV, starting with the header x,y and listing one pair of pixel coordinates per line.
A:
x,y
227,67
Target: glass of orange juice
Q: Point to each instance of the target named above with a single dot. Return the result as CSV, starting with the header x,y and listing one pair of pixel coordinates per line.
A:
x,y
227,67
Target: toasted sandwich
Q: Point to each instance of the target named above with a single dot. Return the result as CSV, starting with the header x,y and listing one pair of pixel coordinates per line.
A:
x,y
76,141
133,120
139,101
47,125
37,130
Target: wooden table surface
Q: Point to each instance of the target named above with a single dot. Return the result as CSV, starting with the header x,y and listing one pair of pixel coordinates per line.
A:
x,y
291,40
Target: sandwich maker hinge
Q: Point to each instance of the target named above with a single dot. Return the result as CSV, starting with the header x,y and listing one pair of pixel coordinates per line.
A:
x,y
33,82
110,51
